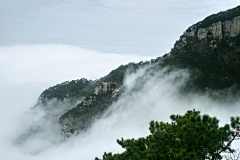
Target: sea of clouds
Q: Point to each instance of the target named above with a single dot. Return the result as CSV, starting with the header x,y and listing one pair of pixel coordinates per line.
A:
x,y
26,70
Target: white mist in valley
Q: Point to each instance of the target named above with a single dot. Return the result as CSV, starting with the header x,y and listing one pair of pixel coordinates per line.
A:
x,y
147,96
54,64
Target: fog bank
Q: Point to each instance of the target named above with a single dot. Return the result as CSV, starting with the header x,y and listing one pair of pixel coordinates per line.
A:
x,y
56,63
147,96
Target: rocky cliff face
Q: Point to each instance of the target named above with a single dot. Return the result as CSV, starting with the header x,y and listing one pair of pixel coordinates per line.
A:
x,y
220,30
80,117
67,91
85,99
211,49
212,34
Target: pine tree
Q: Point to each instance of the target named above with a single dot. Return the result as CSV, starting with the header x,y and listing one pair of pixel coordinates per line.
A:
x,y
187,137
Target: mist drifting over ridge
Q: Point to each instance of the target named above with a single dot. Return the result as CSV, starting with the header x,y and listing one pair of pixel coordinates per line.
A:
x,y
148,91
147,96
29,69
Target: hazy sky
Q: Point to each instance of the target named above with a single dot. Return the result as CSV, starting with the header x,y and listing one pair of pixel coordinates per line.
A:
x,y
147,27
54,64
45,42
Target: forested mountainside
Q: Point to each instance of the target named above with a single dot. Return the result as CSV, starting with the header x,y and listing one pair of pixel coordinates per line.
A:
x,y
211,46
210,49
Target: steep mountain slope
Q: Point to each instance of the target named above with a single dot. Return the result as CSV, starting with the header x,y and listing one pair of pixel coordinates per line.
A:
x,y
97,96
210,49
211,46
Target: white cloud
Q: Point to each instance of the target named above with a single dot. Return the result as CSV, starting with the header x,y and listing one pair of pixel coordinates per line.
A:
x,y
147,96
56,63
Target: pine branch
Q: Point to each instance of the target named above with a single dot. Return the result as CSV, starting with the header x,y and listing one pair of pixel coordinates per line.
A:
x,y
228,144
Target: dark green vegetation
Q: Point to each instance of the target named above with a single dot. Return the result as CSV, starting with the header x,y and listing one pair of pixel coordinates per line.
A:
x,y
95,103
84,87
74,89
214,63
187,137
91,106
211,68
221,16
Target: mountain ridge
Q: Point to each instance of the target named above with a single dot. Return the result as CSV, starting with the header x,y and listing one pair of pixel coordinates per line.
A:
x,y
210,49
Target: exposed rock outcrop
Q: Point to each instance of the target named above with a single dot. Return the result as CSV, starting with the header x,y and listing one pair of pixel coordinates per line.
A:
x,y
217,31
81,116
211,50
212,34
105,87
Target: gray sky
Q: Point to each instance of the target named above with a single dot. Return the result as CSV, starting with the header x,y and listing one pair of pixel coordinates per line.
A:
x,y
146,27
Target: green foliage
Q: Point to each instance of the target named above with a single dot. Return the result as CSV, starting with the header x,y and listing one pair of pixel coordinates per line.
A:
x,y
74,88
187,137
118,74
85,87
91,106
221,16
217,68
